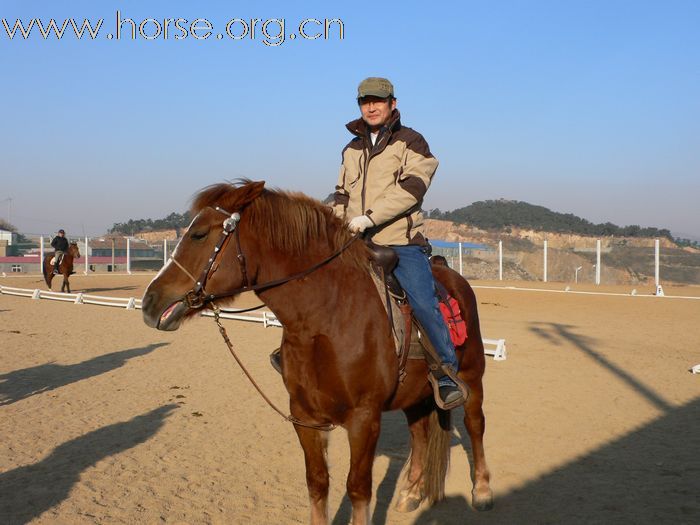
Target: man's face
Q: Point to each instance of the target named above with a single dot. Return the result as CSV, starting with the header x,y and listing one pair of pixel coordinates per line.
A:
x,y
376,111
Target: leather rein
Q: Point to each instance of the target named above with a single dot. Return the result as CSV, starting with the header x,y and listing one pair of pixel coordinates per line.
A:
x,y
198,297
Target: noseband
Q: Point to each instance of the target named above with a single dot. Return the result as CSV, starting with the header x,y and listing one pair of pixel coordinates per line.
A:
x,y
198,297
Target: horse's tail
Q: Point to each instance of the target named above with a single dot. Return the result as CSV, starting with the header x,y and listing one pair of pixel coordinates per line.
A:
x,y
437,456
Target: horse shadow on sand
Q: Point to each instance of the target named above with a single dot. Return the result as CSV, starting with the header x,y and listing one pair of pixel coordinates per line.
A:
x,y
24,383
649,475
27,492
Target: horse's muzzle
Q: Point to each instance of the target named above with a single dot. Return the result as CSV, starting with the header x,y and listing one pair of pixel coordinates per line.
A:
x,y
156,316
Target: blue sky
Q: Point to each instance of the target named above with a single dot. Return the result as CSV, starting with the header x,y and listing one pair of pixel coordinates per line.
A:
x,y
585,107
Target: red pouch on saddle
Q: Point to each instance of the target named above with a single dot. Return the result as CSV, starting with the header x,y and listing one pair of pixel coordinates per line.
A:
x,y
453,318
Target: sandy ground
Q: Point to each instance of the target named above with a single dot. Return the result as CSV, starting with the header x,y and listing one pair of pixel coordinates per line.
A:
x,y
593,418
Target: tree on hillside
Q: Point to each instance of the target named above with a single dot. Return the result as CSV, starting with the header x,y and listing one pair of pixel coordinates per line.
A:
x,y
174,221
501,214
4,225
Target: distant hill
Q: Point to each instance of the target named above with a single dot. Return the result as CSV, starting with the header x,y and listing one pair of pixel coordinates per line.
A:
x,y
490,215
503,214
174,221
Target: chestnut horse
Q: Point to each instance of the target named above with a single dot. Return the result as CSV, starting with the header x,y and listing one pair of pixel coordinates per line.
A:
x,y
339,362
66,267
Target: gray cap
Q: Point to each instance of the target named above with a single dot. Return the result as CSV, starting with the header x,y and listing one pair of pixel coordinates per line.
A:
x,y
375,87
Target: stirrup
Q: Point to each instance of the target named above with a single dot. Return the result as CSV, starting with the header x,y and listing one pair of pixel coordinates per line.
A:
x,y
463,388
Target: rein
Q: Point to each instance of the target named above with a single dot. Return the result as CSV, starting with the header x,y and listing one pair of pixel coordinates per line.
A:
x,y
289,417
198,298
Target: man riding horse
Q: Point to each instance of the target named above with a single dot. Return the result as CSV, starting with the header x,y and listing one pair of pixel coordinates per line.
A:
x,y
60,245
385,173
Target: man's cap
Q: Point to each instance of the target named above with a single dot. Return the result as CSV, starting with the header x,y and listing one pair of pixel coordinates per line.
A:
x,y
61,231
375,87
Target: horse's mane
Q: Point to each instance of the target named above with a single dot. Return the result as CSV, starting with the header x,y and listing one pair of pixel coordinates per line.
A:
x,y
287,221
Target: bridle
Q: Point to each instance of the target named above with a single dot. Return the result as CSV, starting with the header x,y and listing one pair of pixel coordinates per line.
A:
x,y
197,297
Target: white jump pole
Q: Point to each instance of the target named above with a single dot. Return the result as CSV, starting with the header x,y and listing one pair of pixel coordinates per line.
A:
x,y
500,260
460,259
656,262
41,253
165,252
545,260
87,256
597,266
128,256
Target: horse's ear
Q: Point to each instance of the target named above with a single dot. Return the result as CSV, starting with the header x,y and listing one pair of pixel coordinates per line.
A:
x,y
250,192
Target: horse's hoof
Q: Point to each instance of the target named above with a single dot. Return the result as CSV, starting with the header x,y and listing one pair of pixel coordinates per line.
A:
x,y
408,503
482,503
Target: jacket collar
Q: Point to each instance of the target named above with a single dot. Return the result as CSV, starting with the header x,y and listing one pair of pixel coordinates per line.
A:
x,y
359,127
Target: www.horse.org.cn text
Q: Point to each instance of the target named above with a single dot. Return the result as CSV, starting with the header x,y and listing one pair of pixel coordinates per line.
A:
x,y
270,31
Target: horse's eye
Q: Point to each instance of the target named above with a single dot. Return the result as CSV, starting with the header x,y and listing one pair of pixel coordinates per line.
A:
x,y
198,236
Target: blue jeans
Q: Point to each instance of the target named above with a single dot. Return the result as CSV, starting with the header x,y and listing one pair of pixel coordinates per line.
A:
x,y
414,275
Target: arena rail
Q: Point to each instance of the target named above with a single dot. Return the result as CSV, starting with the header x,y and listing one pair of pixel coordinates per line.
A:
x,y
493,347
496,348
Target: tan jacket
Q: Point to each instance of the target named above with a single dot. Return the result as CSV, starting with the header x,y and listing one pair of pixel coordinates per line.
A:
x,y
386,182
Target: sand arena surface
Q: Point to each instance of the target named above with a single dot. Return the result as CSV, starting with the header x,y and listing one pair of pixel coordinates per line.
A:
x,y
593,418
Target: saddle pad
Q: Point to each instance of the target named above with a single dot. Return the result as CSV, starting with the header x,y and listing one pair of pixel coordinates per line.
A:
x,y
416,349
398,329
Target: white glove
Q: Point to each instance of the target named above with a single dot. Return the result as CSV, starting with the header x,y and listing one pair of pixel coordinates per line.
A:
x,y
360,224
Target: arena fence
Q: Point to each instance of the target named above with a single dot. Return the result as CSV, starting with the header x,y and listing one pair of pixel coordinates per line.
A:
x,y
493,347
575,260
548,258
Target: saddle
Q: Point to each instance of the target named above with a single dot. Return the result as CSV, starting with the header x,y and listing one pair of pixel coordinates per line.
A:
x,y
406,329
408,334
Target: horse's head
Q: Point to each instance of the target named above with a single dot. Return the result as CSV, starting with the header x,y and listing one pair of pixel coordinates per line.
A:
x,y
204,264
74,250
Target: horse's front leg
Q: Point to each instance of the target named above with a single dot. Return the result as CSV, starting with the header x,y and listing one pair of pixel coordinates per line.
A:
x,y
363,433
411,494
65,287
314,443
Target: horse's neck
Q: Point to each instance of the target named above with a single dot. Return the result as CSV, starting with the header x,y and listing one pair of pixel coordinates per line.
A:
x,y
320,291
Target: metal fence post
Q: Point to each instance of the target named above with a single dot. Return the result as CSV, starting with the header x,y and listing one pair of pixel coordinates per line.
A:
x,y
460,259
500,260
41,254
86,256
656,263
128,255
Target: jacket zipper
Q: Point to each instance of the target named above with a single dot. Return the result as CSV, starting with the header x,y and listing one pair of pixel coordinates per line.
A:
x,y
369,153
